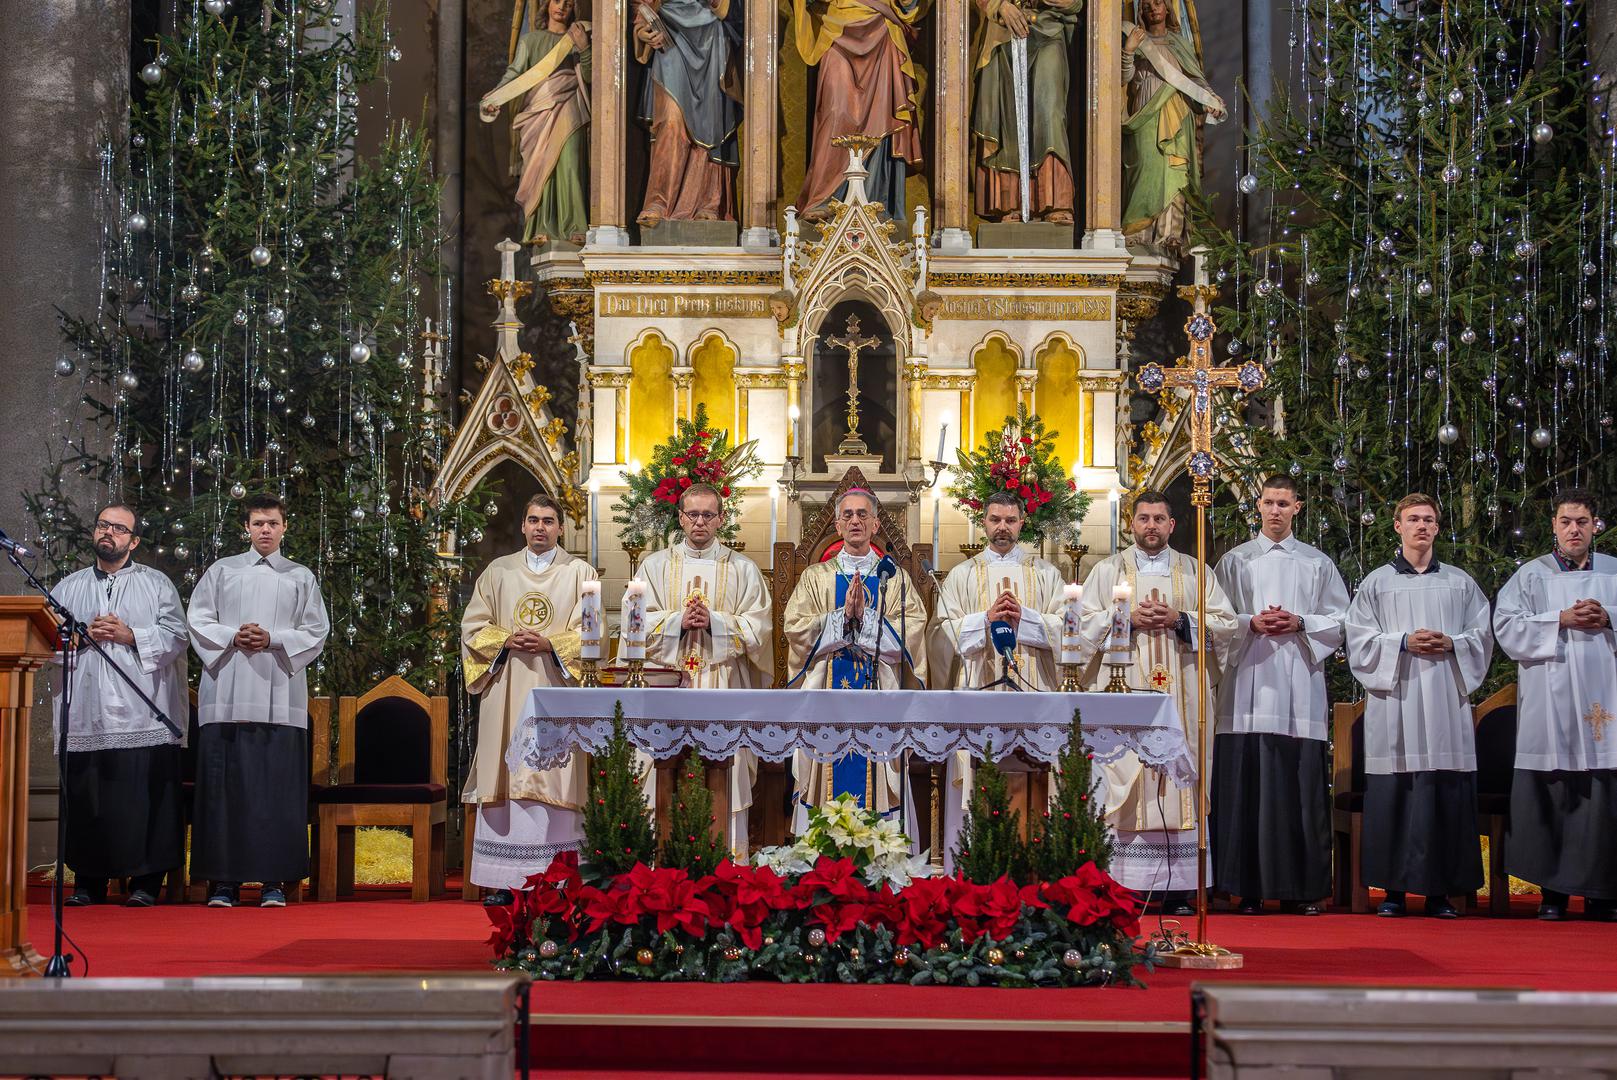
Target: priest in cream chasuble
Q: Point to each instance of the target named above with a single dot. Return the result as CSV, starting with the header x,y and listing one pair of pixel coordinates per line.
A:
x,y
708,612
1154,821
1002,583
521,631
837,639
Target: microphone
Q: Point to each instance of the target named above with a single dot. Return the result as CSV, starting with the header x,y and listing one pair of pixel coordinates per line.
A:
x,y
1003,635
8,544
886,568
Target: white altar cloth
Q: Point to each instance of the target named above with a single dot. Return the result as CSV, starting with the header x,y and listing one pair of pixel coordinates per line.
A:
x,y
828,724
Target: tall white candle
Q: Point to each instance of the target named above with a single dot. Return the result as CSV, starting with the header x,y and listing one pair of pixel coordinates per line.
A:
x,y
634,621
1112,498
1071,636
1117,636
590,633
937,516
774,516
794,446
595,523
943,438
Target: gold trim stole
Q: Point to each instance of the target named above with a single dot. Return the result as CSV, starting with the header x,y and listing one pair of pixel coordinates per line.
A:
x,y
1176,582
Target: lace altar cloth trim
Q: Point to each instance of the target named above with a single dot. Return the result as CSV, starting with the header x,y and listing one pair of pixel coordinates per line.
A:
x,y
829,724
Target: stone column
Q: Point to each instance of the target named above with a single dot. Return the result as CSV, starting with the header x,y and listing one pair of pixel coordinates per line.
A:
x,y
65,81
915,380
608,107
953,125
683,377
759,125
795,369
1104,169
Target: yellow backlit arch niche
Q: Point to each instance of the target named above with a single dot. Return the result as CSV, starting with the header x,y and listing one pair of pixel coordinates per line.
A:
x,y
1056,398
995,361
713,361
651,394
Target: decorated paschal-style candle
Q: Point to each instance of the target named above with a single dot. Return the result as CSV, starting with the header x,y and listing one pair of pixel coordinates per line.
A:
x,y
590,632
634,620
1117,635
1071,638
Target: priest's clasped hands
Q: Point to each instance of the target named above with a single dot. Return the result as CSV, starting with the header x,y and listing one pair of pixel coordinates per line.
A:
x,y
105,628
1155,615
1428,643
251,638
1275,620
1586,614
1007,608
697,615
528,641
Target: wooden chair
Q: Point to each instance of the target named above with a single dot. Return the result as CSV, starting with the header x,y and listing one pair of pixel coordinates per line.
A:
x,y
392,759
771,802
1495,721
179,885
1347,807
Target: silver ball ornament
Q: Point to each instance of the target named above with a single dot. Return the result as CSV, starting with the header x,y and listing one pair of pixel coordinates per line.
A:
x,y
328,361
137,223
1541,438
1072,959
1423,288
152,74
357,513
360,352
1248,184
1542,133
275,316
1468,336
192,362
190,293
1476,249
1524,249
1456,96
214,7
65,366
549,950
1448,434
1367,518
1451,173
816,937
238,490
260,255
128,380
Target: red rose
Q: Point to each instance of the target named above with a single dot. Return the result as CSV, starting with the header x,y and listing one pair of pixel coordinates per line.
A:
x,y
679,461
1072,485
1024,460
684,482
725,491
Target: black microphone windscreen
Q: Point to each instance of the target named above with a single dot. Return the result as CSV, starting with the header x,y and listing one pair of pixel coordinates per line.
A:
x,y
886,568
1003,635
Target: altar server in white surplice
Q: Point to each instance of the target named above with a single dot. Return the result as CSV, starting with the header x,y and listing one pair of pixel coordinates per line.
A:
x,y
1155,822
1419,640
122,766
257,622
1555,618
1003,583
837,639
520,631
1271,799
708,612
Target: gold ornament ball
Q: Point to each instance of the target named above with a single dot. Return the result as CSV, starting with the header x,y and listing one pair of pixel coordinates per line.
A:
x,y
853,954
644,957
732,954
901,957
1020,954
816,937
769,941
996,957
549,950
1072,958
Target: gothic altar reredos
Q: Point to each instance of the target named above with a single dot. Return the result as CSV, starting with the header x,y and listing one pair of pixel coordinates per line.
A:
x,y
703,283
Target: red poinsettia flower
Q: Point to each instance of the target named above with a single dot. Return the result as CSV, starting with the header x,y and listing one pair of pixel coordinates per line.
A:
x,y
725,491
988,909
837,878
503,929
837,919
679,461
684,482
1072,485
927,906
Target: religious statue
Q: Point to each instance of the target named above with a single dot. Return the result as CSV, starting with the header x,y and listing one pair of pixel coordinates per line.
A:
x,y
1019,114
868,85
692,102
547,83
1161,158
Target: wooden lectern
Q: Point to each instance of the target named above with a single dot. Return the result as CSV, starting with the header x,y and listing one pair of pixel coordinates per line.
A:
x,y
27,643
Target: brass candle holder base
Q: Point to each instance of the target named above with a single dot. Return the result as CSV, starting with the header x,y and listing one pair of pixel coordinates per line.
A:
x,y
1200,956
589,672
1069,679
1118,683
637,675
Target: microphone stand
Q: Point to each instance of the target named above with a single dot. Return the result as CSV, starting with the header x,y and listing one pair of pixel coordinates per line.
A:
x,y
68,628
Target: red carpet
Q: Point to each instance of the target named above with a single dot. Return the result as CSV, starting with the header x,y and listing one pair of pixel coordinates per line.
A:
x,y
696,1029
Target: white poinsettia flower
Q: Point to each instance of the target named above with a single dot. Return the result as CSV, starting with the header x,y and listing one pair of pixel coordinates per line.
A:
x,y
785,861
887,838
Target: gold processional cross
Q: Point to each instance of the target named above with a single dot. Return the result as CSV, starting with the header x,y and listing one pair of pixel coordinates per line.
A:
x,y
1196,373
851,442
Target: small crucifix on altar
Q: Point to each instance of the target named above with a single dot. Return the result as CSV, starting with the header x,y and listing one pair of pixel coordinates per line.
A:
x,y
854,343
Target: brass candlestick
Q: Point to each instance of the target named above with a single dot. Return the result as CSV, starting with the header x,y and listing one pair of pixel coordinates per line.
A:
x,y
1069,679
634,551
1118,683
637,675
589,672
1075,554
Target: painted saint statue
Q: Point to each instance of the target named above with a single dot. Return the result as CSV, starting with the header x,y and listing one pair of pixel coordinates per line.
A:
x,y
547,88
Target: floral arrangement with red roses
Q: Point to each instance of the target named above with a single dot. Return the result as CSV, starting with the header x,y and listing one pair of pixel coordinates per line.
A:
x,y
826,924
698,453
1020,457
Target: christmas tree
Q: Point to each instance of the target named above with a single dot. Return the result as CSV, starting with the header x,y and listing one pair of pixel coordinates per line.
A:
x,y
1074,830
1432,279
262,330
990,845
617,821
690,845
